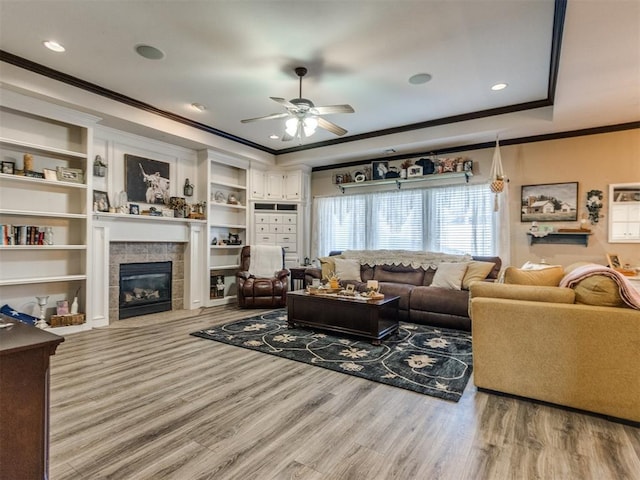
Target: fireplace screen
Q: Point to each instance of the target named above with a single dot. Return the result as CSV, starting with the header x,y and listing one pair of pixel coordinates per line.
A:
x,y
144,288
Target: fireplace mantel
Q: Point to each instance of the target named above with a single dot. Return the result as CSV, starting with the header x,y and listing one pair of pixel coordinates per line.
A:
x,y
110,227
145,228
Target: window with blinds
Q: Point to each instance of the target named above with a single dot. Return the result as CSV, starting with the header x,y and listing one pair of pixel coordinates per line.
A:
x,y
457,219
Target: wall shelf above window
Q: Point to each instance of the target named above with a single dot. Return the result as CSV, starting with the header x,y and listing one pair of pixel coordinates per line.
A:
x,y
572,238
400,181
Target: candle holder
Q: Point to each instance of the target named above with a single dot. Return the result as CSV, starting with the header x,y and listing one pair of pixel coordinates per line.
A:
x,y
42,303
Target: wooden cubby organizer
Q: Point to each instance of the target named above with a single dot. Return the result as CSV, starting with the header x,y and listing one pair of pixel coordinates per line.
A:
x,y
55,138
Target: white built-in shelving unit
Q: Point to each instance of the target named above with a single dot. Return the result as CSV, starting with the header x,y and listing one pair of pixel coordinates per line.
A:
x,y
55,137
227,214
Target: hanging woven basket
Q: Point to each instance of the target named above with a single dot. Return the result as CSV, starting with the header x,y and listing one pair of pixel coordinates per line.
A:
x,y
497,185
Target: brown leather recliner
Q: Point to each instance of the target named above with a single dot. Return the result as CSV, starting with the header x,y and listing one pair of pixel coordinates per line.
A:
x,y
256,292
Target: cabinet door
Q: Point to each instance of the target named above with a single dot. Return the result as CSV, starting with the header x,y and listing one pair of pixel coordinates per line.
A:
x,y
257,184
274,186
293,186
624,222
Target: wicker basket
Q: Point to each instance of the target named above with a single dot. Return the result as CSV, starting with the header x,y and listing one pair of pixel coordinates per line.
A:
x,y
66,320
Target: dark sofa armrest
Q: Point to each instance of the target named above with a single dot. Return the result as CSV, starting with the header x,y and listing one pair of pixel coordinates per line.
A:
x,y
283,274
312,273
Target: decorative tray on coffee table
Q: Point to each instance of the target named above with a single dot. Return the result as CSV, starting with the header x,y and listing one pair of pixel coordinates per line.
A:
x,y
322,291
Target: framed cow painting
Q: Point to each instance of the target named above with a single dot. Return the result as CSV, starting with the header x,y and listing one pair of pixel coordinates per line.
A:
x,y
147,180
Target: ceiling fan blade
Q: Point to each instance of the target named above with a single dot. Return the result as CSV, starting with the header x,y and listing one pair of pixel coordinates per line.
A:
x,y
283,102
327,109
266,117
330,126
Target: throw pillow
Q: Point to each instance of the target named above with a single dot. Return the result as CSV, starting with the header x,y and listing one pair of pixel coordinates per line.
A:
x,y
599,290
449,275
476,271
327,265
550,276
348,269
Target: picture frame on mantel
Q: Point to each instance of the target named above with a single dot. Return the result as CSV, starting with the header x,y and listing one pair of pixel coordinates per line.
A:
x,y
550,202
101,201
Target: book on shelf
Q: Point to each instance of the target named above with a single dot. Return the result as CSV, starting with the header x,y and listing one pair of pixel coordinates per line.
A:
x,y
22,234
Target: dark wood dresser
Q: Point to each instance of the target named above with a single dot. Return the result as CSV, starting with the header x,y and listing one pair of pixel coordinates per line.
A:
x,y
24,401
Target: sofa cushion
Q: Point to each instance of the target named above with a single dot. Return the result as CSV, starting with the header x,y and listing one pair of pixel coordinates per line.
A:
x,y
347,269
450,275
398,274
402,290
476,271
440,300
549,276
599,290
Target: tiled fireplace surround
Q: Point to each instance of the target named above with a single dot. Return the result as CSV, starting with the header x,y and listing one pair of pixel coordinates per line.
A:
x,y
120,239
135,252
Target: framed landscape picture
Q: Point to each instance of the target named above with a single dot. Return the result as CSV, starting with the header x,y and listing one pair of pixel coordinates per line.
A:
x,y
549,202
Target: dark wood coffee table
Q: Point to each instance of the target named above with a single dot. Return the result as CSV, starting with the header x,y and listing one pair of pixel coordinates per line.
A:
x,y
373,319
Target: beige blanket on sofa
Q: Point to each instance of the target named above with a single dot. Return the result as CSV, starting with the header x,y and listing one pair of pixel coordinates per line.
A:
x,y
629,295
415,259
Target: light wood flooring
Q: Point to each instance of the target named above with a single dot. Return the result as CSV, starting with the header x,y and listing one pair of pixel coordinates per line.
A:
x,y
143,399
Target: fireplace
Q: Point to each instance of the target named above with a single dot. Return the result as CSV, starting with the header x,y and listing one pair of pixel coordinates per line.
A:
x,y
144,288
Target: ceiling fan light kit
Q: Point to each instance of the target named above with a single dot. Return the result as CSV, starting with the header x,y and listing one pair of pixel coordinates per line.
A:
x,y
303,117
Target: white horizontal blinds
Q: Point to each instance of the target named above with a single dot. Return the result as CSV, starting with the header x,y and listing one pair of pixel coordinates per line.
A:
x,y
461,220
340,223
396,220
455,219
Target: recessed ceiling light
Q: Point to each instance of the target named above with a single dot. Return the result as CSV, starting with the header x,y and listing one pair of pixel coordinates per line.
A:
x,y
274,137
419,78
199,107
53,46
499,86
149,52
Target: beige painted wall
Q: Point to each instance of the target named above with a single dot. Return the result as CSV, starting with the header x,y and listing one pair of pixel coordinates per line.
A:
x,y
594,161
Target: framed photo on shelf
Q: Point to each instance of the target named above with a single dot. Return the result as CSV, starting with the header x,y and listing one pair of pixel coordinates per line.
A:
x,y
50,174
101,201
613,260
62,307
414,171
379,170
8,167
73,175
217,285
551,202
134,209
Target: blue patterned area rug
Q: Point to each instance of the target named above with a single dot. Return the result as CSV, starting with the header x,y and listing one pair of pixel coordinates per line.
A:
x,y
428,360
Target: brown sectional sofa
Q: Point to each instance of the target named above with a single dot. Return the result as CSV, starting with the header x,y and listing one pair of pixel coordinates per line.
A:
x,y
419,301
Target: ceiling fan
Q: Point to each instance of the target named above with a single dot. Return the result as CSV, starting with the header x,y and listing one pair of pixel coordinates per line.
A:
x,y
303,116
